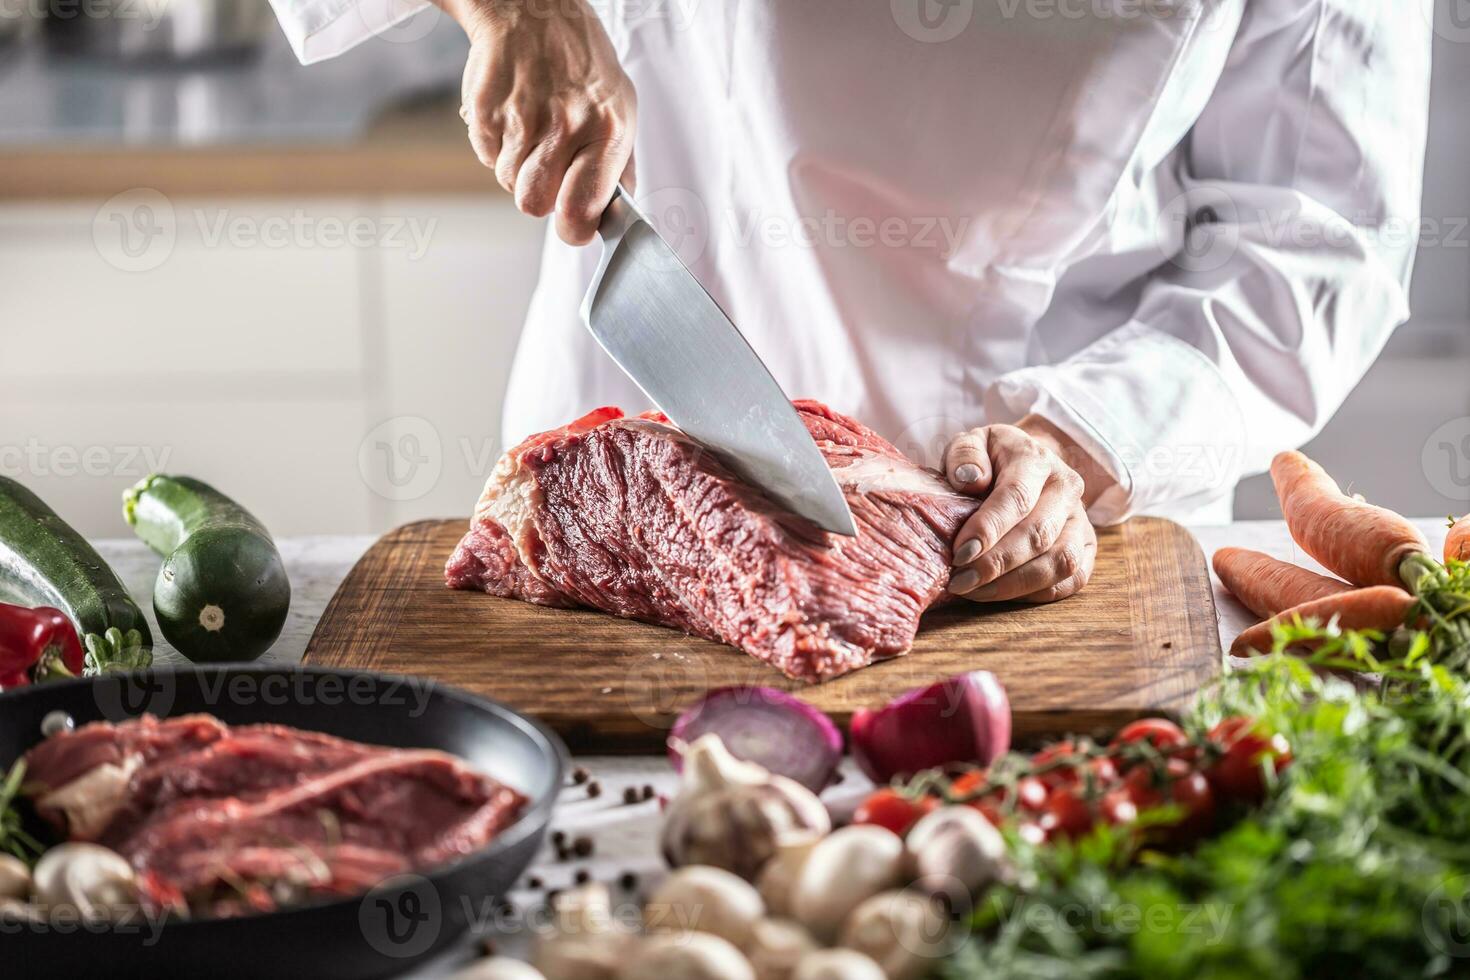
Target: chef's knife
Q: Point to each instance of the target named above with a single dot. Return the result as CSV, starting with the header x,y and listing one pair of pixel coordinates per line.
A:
x,y
648,311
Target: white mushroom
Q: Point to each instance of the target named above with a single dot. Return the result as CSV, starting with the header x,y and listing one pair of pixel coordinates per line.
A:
x,y
777,879
15,877
583,957
843,870
776,947
904,932
97,882
704,899
498,968
687,956
837,964
955,852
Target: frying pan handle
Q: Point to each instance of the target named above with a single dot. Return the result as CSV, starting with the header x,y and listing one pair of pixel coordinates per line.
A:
x,y
620,215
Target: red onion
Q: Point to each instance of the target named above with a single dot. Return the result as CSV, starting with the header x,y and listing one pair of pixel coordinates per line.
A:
x,y
771,728
964,719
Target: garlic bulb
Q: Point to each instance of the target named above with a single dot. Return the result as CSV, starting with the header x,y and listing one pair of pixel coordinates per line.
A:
x,y
735,815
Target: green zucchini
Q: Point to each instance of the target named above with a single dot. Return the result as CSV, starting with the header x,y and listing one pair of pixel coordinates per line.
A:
x,y
222,593
43,562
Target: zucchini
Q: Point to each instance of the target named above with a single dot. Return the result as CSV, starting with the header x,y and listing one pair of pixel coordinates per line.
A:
x,y
43,562
222,593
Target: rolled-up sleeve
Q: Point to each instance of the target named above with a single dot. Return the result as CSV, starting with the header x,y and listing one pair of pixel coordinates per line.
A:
x,y
1301,194
322,29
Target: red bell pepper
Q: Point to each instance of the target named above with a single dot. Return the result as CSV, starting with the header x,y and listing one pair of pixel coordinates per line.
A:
x,y
37,644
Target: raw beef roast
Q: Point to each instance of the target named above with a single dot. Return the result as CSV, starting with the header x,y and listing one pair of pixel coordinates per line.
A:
x,y
629,516
231,820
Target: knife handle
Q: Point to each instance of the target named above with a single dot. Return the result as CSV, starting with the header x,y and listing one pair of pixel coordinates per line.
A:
x,y
620,215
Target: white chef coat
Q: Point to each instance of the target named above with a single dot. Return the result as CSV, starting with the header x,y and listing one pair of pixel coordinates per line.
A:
x,y
1181,230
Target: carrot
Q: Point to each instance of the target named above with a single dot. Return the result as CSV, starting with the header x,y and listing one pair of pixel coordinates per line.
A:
x,y
1353,539
1266,586
1457,545
1380,607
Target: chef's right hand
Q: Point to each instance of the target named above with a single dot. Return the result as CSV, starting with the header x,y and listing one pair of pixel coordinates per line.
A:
x,y
548,107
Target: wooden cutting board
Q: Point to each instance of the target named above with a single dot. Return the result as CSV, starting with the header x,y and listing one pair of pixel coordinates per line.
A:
x,y
1140,639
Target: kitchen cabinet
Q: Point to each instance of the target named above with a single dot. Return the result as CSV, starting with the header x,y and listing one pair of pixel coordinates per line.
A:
x,y
280,346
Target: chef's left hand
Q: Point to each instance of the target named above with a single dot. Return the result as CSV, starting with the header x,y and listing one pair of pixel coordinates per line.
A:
x,y
1030,540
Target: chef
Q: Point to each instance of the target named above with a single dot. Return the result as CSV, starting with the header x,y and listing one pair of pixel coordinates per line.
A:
x,y
1091,257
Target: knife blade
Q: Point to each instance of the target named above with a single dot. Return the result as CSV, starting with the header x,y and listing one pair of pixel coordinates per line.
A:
x,y
666,332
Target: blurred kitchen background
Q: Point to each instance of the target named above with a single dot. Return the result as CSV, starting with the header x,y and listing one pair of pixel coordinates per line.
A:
x,y
301,284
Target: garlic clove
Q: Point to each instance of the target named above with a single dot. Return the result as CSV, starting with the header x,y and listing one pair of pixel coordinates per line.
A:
x,y
709,765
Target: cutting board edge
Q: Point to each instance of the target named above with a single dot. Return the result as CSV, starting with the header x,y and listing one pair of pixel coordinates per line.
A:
x,y
1197,659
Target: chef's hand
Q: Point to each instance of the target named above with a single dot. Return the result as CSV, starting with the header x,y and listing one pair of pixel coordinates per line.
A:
x,y
1031,539
548,107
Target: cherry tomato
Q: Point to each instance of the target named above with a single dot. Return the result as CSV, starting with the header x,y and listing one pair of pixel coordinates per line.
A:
x,y
1161,733
1103,769
968,783
1031,832
1238,773
892,810
1117,808
1182,785
1067,814
1060,775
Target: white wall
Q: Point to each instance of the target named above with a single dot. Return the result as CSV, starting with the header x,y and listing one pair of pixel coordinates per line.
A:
x,y
1403,438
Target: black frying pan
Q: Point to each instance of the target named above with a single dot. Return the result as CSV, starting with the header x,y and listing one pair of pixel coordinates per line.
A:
x,y
402,922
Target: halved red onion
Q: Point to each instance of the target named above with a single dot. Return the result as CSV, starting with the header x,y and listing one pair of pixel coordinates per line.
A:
x,y
771,728
964,719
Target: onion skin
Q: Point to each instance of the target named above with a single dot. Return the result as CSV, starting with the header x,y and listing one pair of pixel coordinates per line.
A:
x,y
964,719
770,727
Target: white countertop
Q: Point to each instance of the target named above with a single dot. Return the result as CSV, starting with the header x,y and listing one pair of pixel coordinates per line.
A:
x,y
625,836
